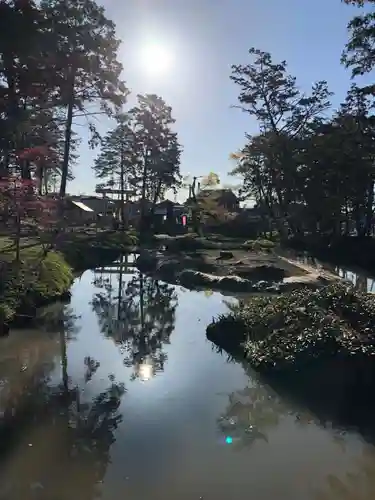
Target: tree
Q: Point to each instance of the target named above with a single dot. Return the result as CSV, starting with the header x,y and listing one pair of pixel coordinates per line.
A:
x,y
85,66
116,164
20,203
209,181
157,149
24,79
200,206
142,153
285,115
331,191
359,53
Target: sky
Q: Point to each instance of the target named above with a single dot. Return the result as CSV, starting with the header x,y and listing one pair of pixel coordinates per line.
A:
x,y
204,38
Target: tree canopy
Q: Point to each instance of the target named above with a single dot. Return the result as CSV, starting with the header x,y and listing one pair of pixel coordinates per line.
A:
x,y
310,167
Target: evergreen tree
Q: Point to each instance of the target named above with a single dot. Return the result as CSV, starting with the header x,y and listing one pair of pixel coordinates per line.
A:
x,y
158,149
116,164
85,65
359,53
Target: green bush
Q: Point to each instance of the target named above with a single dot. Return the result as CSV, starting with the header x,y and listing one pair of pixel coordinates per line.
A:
x,y
51,277
32,283
290,330
259,244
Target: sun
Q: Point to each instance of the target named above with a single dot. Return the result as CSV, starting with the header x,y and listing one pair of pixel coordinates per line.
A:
x,y
155,59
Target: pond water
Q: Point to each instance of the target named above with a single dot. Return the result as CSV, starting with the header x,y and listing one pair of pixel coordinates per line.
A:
x,y
120,395
357,276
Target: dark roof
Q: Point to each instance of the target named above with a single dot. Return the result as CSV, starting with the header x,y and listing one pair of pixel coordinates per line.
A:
x,y
96,203
167,203
215,193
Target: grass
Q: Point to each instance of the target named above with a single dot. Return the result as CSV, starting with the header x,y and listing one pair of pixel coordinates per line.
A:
x,y
290,330
8,247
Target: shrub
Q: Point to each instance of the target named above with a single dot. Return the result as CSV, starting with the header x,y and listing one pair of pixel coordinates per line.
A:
x,y
291,329
32,283
259,244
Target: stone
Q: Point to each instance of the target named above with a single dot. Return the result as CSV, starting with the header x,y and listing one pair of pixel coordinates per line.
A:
x,y
225,255
147,260
189,278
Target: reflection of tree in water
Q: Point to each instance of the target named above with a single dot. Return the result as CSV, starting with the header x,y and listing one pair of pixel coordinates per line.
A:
x,y
251,412
26,360
139,316
75,434
254,411
60,318
81,434
76,460
356,484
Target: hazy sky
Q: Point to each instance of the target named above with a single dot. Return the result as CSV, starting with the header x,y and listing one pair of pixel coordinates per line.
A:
x,y
206,37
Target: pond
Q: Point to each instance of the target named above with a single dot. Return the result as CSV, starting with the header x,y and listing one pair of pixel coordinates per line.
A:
x,y
363,281
120,395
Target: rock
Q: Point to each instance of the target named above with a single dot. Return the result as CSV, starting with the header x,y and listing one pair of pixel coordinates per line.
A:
x,y
190,278
148,260
261,284
274,288
169,268
225,255
235,284
264,273
163,237
311,280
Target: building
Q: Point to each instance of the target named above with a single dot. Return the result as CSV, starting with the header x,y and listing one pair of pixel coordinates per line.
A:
x,y
102,206
133,209
166,207
76,212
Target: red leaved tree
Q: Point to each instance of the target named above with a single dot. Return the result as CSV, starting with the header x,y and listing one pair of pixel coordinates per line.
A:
x,y
23,209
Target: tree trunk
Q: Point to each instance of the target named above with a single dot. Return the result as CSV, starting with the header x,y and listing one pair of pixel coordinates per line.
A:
x,y
122,187
18,236
68,133
45,180
369,210
64,362
119,295
156,196
195,211
143,194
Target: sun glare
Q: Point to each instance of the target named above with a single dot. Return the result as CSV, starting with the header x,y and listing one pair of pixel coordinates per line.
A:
x,y
155,59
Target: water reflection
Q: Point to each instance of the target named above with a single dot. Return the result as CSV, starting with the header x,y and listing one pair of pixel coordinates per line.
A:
x,y
65,434
48,425
138,314
203,427
358,277
356,484
244,420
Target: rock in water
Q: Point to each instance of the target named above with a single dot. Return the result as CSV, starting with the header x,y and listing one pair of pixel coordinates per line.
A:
x,y
225,256
147,260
